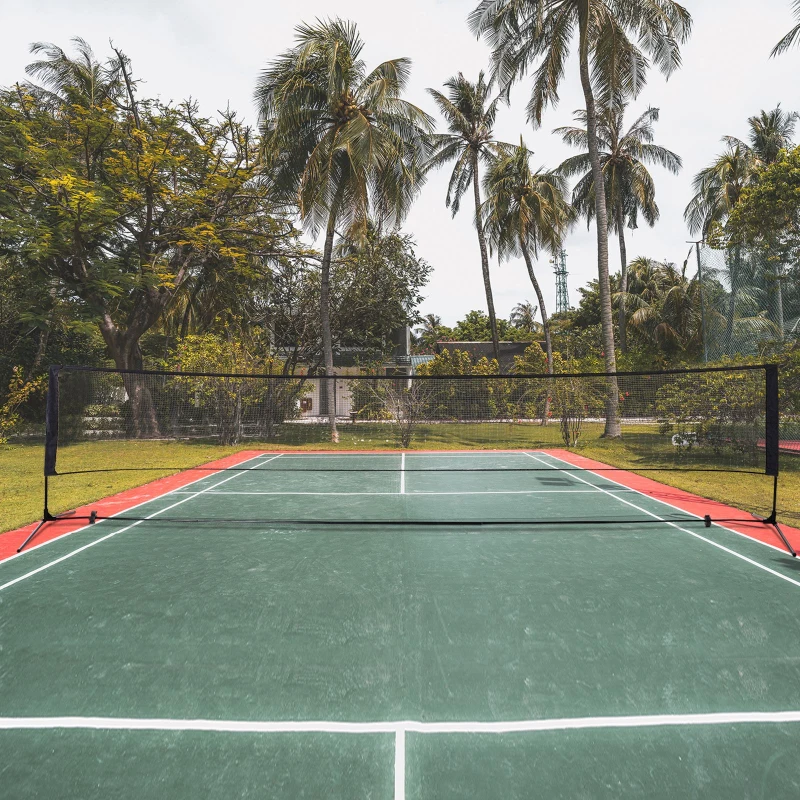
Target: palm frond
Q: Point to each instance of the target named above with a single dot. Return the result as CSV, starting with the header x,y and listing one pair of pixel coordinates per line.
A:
x,y
791,38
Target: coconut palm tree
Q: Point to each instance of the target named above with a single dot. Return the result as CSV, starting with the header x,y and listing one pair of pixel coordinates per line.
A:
x,y
791,38
470,115
339,142
614,40
771,132
719,187
428,331
664,304
629,186
84,80
523,316
525,211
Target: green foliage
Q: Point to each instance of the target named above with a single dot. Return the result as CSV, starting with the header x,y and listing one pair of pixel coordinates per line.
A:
x,y
624,156
532,362
226,400
525,209
333,129
476,327
120,205
376,286
717,410
20,390
768,212
664,306
458,362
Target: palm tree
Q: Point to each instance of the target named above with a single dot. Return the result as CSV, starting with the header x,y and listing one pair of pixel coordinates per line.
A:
x,y
719,187
771,132
535,35
83,80
792,37
525,211
470,117
629,187
340,142
523,316
665,304
428,331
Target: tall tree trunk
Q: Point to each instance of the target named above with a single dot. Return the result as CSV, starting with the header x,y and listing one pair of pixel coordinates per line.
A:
x,y
548,343
487,283
127,355
622,322
123,345
612,426
325,317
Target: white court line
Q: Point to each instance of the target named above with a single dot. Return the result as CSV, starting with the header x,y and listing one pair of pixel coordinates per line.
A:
x,y
392,494
402,473
420,453
404,726
128,527
130,508
667,522
400,765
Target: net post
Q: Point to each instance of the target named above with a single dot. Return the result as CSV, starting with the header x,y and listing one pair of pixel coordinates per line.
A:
x,y
50,449
51,423
772,430
772,448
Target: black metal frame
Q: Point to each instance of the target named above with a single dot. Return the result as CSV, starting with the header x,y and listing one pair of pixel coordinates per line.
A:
x,y
772,441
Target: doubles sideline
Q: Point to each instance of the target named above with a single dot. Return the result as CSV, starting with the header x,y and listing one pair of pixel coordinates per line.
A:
x,y
72,553
696,535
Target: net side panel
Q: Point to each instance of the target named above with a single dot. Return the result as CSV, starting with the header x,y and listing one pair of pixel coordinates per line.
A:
x,y
701,419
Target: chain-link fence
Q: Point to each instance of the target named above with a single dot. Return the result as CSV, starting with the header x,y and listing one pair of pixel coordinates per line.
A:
x,y
750,299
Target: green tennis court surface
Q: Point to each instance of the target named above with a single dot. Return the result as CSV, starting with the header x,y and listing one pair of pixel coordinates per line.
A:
x,y
198,659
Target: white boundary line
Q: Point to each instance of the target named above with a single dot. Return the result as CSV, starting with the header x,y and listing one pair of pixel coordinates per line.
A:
x,y
667,522
400,765
399,726
211,474
420,453
128,527
402,473
392,494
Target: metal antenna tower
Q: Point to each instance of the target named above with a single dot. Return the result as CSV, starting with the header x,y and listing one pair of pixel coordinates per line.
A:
x,y
559,262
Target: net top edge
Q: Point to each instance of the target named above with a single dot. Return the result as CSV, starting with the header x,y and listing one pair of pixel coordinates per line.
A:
x,y
57,368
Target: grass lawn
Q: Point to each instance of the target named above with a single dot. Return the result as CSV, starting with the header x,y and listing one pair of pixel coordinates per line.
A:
x,y
21,479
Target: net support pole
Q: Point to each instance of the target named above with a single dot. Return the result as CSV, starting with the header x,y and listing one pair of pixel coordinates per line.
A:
x,y
772,448
50,448
46,517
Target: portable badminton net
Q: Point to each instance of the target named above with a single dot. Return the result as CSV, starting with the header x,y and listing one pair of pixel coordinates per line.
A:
x,y
716,419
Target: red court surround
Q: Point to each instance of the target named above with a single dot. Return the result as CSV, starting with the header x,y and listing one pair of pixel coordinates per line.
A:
x,y
685,501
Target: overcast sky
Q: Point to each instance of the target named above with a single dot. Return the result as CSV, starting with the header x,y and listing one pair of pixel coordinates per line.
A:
x,y
214,51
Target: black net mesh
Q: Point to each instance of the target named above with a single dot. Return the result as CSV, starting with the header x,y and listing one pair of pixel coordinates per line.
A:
x,y
702,419
399,450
